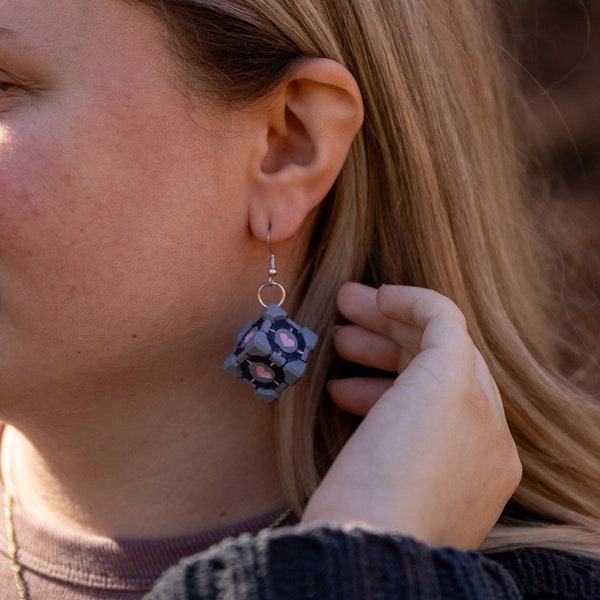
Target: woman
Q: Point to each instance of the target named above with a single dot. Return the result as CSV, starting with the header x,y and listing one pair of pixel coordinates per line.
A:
x,y
153,153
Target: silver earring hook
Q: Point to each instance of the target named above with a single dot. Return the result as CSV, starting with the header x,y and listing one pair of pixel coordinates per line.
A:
x,y
269,241
272,269
272,272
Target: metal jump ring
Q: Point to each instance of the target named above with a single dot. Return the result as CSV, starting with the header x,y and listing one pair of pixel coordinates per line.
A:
x,y
271,284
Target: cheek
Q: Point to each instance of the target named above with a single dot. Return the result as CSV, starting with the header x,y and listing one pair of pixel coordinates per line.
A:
x,y
47,210
97,220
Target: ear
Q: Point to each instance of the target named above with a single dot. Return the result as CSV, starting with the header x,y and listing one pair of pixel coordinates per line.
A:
x,y
306,132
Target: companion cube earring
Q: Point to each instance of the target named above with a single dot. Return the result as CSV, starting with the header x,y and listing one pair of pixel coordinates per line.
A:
x,y
271,352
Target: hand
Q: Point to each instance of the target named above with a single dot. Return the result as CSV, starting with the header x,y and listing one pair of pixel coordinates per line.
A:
x,y
433,457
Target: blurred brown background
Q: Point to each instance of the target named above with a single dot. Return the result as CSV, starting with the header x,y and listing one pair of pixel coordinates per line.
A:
x,y
558,45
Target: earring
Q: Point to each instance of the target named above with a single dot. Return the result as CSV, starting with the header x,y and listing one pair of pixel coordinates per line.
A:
x,y
271,352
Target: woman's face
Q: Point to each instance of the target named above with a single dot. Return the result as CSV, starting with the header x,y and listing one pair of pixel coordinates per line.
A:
x,y
122,211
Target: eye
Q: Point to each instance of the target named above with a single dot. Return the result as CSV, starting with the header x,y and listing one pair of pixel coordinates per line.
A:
x,y
11,83
12,91
10,96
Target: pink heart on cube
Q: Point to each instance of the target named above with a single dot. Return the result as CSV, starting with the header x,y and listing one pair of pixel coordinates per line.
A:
x,y
263,372
286,340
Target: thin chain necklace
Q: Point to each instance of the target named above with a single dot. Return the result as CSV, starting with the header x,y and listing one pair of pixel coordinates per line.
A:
x,y
281,519
13,549
9,494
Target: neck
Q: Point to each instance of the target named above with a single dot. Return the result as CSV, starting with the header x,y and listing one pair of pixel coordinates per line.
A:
x,y
160,467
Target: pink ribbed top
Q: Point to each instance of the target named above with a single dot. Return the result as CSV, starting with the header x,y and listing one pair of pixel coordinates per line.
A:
x,y
62,565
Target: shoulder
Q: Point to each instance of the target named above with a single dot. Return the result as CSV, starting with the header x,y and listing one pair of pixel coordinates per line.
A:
x,y
329,562
550,574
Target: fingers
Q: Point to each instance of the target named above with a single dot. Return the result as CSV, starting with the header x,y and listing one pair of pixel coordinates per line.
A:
x,y
441,321
414,318
370,349
357,395
402,313
358,303
396,323
416,306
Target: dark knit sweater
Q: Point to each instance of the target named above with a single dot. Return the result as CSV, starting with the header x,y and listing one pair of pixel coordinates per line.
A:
x,y
327,563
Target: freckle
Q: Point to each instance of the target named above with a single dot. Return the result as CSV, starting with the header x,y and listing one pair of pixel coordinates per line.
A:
x,y
134,336
72,289
185,435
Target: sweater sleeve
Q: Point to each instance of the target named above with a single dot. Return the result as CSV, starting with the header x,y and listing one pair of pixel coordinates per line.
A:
x,y
328,563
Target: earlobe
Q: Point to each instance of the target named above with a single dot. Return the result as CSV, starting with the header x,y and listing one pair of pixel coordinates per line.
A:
x,y
309,126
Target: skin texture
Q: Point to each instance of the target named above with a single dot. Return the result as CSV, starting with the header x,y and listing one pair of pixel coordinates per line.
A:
x,y
103,190
131,255
132,239
111,189
434,452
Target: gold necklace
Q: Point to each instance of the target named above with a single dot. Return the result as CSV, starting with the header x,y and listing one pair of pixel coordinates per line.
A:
x,y
15,565
281,519
13,549
9,494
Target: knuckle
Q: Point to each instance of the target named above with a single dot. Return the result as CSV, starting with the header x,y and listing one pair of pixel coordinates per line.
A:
x,y
508,457
453,312
516,468
478,401
447,309
467,348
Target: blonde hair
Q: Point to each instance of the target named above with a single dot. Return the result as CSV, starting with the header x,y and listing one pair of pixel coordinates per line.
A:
x,y
432,194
